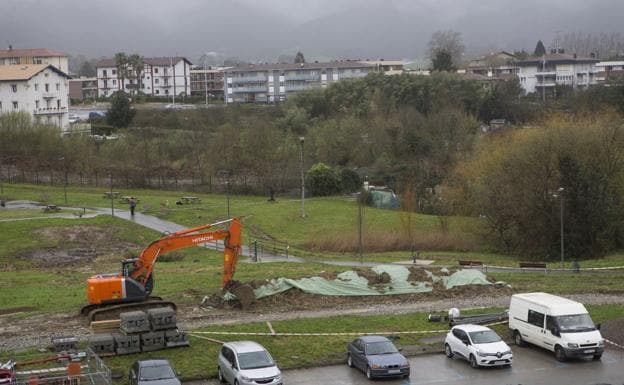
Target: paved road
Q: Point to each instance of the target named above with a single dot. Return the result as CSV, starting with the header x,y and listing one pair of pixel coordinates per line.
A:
x,y
532,366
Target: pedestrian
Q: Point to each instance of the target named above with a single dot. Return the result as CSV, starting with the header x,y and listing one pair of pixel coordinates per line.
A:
x,y
132,205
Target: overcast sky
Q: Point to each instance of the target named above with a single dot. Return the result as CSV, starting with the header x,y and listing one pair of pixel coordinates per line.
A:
x,y
264,29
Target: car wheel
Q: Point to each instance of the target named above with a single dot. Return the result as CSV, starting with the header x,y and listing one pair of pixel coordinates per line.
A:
x,y
448,351
369,373
220,375
235,382
473,361
406,376
560,354
518,338
598,356
349,360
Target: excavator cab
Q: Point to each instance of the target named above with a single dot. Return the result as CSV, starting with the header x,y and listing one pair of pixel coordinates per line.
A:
x,y
127,265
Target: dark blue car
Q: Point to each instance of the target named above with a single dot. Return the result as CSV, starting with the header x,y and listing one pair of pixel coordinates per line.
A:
x,y
377,357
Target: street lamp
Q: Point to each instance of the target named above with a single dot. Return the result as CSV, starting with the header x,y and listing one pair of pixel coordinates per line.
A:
x,y
559,195
301,140
110,176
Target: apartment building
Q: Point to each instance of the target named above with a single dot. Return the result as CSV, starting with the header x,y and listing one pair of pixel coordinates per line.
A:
x,y
388,67
499,64
543,74
41,90
274,82
608,72
83,88
162,76
14,56
208,81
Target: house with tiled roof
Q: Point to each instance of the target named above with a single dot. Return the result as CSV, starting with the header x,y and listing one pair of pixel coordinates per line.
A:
x,y
162,76
40,90
14,56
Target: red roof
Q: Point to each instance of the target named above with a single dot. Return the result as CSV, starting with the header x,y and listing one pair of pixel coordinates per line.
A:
x,y
38,52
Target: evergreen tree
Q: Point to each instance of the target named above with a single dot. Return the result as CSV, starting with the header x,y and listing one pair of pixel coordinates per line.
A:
x,y
120,113
539,49
299,58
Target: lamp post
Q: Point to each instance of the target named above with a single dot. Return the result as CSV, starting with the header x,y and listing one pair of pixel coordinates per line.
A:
x,y
65,171
206,79
559,194
110,176
227,192
301,140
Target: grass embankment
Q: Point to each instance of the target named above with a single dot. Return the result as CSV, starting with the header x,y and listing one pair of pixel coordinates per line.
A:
x,y
199,360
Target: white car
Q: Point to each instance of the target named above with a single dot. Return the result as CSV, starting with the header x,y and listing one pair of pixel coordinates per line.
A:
x,y
247,363
480,345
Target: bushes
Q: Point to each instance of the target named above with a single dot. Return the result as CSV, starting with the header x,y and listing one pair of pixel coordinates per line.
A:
x,y
323,180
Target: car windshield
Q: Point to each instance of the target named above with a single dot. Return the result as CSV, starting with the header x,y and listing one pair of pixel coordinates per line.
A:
x,y
575,323
484,337
161,372
382,347
255,360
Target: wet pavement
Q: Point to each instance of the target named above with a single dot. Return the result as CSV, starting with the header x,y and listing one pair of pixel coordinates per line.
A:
x,y
532,366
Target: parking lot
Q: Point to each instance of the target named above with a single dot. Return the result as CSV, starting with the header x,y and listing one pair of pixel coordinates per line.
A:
x,y
532,366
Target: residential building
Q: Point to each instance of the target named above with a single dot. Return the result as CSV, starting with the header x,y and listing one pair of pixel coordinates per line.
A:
x,y
388,67
162,76
208,81
543,74
83,88
14,56
274,82
493,65
41,90
609,71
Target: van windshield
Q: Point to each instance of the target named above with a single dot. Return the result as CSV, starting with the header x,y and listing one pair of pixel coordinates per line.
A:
x,y
575,323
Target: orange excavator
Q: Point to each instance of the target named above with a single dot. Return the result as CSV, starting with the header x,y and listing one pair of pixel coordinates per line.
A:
x,y
109,294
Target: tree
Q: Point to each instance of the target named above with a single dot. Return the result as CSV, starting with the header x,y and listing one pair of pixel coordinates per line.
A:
x,y
121,60
137,66
445,43
539,49
120,113
442,61
299,59
87,69
323,180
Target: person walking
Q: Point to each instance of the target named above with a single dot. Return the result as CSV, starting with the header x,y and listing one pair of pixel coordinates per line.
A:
x,y
132,205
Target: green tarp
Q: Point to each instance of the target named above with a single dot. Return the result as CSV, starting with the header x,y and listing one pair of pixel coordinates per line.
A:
x,y
349,283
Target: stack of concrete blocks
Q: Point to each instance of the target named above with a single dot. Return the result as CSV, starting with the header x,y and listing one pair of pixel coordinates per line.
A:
x,y
163,322
133,325
103,343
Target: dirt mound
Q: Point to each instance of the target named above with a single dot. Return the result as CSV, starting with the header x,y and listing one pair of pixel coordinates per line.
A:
x,y
418,275
76,244
372,277
613,330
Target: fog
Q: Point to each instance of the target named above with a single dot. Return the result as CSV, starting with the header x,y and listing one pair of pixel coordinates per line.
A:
x,y
261,30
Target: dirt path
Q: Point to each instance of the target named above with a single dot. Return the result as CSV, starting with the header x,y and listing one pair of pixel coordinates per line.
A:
x,y
18,332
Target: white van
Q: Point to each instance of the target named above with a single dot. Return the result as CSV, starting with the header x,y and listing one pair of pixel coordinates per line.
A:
x,y
554,323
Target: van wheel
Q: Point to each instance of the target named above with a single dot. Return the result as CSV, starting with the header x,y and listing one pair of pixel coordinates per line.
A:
x,y
448,351
598,356
560,353
220,375
369,373
518,338
473,361
349,360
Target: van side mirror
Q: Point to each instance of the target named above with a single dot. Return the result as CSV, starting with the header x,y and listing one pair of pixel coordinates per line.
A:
x,y
555,331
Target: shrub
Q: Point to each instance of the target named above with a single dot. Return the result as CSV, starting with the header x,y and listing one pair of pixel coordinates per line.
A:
x,y
323,180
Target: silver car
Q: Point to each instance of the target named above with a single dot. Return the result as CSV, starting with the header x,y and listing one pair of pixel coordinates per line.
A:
x,y
247,363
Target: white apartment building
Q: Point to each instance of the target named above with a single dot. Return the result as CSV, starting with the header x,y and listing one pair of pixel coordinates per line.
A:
x,y
162,76
14,56
41,90
543,74
609,71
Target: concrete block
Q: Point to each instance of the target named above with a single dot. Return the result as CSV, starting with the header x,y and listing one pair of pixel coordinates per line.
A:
x,y
151,341
127,343
162,318
134,322
175,338
102,343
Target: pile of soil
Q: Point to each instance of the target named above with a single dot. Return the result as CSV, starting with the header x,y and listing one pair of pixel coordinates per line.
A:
x,y
373,278
613,330
76,245
418,275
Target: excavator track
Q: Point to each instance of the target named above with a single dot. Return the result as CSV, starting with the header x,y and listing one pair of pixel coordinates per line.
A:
x,y
108,312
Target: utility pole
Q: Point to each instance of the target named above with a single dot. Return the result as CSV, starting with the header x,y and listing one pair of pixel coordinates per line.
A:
x,y
301,140
561,221
206,79
110,176
360,212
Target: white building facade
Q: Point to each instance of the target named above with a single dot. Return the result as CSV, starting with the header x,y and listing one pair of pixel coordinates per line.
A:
x,y
544,74
13,56
162,76
41,90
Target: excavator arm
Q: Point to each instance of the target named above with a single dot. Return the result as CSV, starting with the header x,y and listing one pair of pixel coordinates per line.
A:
x,y
144,265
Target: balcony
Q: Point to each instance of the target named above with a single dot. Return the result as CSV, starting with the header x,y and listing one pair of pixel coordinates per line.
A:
x,y
49,95
303,77
249,79
546,84
50,111
546,73
250,89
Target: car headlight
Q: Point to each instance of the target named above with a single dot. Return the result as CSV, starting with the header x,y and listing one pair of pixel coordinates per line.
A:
x,y
278,377
406,364
506,352
375,366
601,343
572,345
482,354
245,378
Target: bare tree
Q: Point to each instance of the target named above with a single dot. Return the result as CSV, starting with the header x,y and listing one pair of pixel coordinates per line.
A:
x,y
446,43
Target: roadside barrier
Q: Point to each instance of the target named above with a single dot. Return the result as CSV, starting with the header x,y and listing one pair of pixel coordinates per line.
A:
x,y
198,334
614,344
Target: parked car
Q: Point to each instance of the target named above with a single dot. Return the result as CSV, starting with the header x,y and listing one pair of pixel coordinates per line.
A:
x,y
247,363
95,115
152,372
480,345
377,357
73,118
558,324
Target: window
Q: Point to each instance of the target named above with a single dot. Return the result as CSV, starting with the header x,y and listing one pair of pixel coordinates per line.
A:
x,y
536,318
157,92
36,104
156,81
15,106
58,86
58,103
104,72
156,70
47,87
114,72
38,60
550,322
114,82
36,86
14,87
0,106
